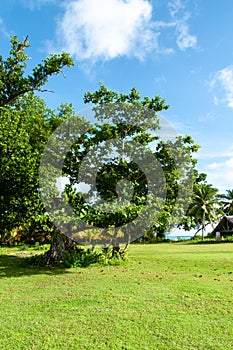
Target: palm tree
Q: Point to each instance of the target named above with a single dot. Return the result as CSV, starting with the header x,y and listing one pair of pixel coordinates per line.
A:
x,y
204,205
227,202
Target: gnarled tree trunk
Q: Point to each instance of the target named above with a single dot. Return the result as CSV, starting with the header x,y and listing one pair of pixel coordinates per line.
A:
x,y
60,244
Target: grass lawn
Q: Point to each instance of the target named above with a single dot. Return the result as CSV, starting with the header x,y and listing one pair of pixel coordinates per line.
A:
x,y
168,296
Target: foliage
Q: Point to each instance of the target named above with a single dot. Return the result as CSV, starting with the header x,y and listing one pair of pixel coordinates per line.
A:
x,y
82,257
103,96
86,257
120,117
21,145
227,202
205,206
113,256
26,124
14,83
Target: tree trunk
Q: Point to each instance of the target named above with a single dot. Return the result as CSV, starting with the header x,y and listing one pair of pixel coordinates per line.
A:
x,y
203,226
60,244
115,251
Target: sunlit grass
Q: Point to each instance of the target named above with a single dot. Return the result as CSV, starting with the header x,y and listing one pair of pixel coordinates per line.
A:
x,y
168,296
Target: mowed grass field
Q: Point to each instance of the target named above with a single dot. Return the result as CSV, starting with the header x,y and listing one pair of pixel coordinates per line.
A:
x,y
168,296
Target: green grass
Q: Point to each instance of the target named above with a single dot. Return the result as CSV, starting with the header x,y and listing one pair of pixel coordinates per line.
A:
x,y
168,296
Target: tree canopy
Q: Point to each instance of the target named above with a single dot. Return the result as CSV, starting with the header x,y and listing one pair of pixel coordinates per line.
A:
x,y
26,124
125,190
205,205
140,182
13,81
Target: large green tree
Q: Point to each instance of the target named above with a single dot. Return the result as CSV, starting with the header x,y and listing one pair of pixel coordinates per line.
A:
x,y
122,117
176,156
25,126
119,117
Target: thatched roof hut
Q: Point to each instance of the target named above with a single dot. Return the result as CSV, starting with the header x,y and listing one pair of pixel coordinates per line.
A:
x,y
225,226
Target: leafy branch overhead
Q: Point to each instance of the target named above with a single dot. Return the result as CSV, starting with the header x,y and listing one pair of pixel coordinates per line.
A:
x,y
13,81
105,96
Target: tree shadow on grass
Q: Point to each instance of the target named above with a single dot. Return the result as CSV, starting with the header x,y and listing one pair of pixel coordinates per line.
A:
x,y
16,266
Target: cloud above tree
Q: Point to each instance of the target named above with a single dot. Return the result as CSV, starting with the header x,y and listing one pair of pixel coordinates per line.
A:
x,y
94,30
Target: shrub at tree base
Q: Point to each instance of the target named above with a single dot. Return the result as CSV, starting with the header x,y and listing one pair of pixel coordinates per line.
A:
x,y
83,258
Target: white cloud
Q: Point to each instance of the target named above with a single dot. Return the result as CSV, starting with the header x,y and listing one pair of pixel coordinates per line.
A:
x,y
178,12
221,178
222,86
175,6
184,39
228,164
218,155
214,165
220,173
218,166
93,31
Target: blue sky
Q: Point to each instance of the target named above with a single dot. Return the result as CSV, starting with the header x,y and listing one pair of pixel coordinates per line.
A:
x,y
180,49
